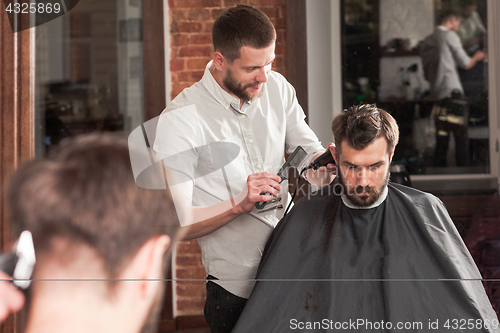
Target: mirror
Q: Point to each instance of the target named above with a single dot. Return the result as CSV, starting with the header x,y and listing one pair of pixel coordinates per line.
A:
x,y
382,41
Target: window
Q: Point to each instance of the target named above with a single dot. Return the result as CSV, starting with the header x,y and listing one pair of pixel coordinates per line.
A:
x,y
89,72
375,58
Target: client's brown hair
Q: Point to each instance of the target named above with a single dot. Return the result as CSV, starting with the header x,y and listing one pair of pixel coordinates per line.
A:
x,y
85,193
360,125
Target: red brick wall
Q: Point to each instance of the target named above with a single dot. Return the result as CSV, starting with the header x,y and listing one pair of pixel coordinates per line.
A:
x,y
191,40
191,49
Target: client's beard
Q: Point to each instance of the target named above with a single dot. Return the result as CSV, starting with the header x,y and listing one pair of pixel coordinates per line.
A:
x,y
374,193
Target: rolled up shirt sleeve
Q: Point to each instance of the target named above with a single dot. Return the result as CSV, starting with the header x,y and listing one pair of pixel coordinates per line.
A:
x,y
457,50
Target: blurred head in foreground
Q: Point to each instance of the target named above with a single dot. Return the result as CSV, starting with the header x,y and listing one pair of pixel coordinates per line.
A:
x,y
98,238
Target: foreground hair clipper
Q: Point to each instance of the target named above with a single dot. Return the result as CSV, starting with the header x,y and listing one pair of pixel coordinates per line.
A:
x,y
19,263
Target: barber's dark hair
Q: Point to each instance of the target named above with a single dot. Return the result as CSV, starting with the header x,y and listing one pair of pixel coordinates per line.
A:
x,y
360,125
467,3
445,15
85,194
241,25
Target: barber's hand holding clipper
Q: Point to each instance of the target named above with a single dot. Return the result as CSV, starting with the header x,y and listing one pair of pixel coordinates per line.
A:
x,y
261,187
320,172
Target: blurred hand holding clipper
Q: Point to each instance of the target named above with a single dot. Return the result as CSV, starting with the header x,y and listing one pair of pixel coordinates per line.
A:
x,y
19,263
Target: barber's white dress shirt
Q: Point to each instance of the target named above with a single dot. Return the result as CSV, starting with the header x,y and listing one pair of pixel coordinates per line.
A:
x,y
262,130
441,53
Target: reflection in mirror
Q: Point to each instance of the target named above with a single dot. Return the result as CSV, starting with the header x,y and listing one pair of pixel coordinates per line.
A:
x,y
89,72
428,71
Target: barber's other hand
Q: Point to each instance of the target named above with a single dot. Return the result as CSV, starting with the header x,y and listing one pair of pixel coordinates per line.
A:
x,y
325,174
11,299
479,55
257,185
330,170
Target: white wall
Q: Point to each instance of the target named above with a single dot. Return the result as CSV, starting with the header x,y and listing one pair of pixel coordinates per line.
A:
x,y
323,60
412,19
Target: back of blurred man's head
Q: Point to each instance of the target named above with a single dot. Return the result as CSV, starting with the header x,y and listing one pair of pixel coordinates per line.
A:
x,y
90,221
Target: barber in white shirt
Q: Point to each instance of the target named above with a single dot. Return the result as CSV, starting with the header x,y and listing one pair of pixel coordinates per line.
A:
x,y
253,115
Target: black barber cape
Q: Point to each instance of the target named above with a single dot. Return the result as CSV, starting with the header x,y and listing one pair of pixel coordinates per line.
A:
x,y
330,268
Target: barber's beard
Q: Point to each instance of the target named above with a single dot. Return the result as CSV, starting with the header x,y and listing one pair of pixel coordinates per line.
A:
x,y
153,316
374,193
238,89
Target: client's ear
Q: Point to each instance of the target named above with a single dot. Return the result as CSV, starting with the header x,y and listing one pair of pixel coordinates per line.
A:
x,y
147,265
333,151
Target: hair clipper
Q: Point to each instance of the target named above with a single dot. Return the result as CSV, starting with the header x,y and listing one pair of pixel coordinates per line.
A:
x,y
322,160
20,262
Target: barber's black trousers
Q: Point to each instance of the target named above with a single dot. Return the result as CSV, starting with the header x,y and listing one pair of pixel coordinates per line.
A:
x,y
222,308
